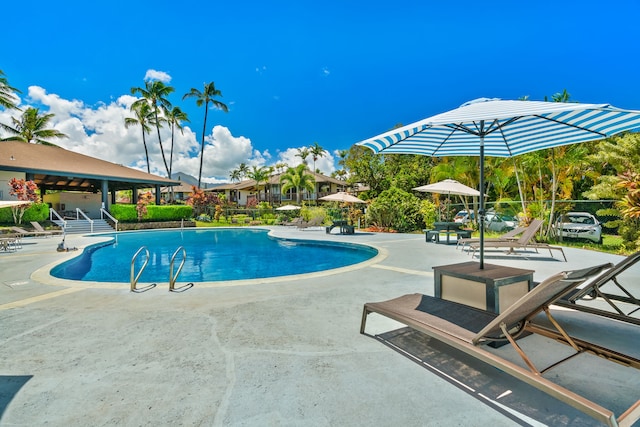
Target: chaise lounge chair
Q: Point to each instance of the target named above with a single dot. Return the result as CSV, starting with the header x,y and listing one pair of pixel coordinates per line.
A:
x,y
36,225
24,233
510,235
294,221
468,329
526,241
313,222
622,304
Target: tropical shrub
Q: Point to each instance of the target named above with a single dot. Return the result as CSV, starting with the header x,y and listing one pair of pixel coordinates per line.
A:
x,y
429,212
128,212
35,212
313,212
397,210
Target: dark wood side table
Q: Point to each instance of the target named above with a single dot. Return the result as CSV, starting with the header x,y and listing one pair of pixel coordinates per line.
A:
x,y
493,289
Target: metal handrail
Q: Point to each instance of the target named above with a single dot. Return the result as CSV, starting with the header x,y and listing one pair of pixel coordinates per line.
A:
x,y
79,212
172,277
52,213
103,212
134,281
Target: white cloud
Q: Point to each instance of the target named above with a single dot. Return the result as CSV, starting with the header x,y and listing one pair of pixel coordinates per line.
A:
x,y
325,71
157,75
325,164
99,131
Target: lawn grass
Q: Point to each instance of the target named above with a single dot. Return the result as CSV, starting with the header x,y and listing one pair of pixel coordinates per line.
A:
x,y
610,243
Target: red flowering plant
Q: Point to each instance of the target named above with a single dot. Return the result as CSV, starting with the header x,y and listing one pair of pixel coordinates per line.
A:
x,y
24,191
201,200
141,207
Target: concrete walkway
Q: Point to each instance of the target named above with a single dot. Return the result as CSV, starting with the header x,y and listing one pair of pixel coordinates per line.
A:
x,y
284,352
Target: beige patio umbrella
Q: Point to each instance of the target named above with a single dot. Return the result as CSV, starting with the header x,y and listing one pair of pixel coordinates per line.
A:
x,y
341,196
288,208
449,187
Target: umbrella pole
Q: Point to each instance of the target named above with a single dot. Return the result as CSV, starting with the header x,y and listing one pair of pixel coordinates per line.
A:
x,y
481,211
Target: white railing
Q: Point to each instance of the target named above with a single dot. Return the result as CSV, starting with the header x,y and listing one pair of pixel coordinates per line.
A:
x,y
52,213
103,212
80,213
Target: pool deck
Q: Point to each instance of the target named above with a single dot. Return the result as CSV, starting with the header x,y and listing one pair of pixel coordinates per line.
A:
x,y
276,352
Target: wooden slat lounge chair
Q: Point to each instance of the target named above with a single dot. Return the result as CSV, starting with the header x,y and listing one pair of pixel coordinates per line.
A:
x,y
509,235
622,305
526,241
294,221
468,329
36,225
25,233
313,222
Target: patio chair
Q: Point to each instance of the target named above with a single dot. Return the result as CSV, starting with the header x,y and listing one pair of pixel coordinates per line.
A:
x,y
294,221
313,222
622,304
25,233
468,329
526,241
36,225
509,235
9,243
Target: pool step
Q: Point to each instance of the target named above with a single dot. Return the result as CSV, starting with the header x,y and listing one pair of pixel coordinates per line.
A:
x,y
82,226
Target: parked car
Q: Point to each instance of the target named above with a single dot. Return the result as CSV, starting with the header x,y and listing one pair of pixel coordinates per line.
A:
x,y
463,217
498,222
579,225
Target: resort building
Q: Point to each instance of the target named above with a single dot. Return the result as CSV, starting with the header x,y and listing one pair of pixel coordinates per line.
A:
x,y
245,191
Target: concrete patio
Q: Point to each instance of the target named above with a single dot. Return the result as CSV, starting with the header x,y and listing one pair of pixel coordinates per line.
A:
x,y
277,352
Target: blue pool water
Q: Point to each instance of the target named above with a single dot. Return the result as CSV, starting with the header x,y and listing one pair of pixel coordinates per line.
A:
x,y
212,255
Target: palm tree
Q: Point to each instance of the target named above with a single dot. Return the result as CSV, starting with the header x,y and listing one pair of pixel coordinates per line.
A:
x,y
259,175
7,93
31,127
235,175
280,167
175,117
303,153
243,169
299,179
205,97
143,116
316,152
155,94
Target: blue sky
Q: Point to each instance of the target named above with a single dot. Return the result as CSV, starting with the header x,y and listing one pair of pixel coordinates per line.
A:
x,y
297,72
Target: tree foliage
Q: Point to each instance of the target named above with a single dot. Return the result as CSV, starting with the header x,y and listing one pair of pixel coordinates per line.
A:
x,y
25,191
299,179
395,209
32,127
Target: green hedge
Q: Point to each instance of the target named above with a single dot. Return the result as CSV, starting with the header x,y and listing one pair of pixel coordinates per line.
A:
x,y
128,213
35,212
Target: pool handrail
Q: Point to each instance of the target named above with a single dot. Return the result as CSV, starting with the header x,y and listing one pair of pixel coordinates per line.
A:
x,y
172,277
134,280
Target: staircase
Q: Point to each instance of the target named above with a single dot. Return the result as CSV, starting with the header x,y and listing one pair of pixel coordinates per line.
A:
x,y
82,226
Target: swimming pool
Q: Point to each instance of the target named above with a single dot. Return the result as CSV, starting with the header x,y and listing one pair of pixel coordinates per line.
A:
x,y
212,255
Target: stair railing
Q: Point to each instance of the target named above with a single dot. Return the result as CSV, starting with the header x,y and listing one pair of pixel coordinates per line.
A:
x,y
103,212
52,213
80,213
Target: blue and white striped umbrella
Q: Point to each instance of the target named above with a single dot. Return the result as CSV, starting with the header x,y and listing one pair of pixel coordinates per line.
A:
x,y
497,128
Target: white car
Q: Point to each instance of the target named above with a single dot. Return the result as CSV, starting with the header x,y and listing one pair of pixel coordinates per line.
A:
x,y
497,222
580,225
